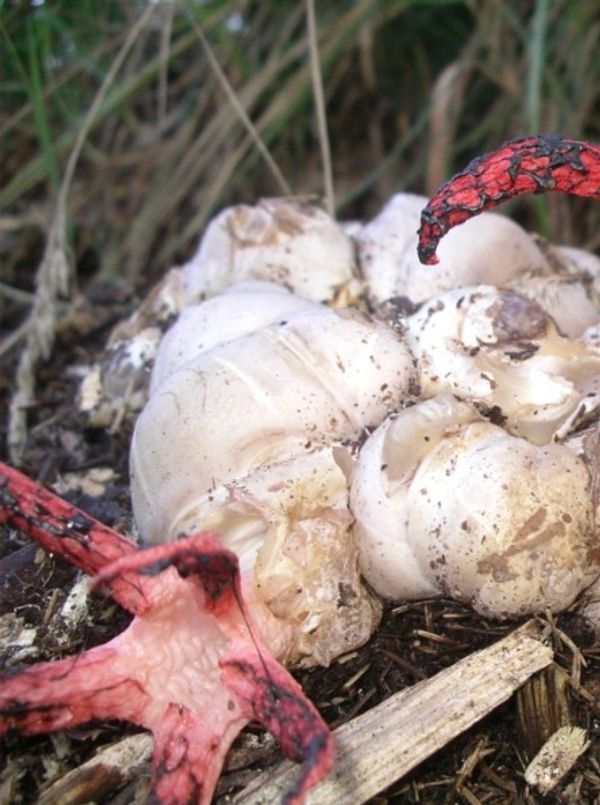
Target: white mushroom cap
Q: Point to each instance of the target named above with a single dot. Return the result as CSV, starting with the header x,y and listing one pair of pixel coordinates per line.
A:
x,y
489,248
485,517
378,499
496,348
295,245
239,310
322,376
382,242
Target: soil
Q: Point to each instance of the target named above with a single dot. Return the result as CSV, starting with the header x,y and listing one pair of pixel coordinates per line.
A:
x,y
414,641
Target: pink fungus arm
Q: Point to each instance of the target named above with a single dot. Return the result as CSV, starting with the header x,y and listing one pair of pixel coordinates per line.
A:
x,y
191,666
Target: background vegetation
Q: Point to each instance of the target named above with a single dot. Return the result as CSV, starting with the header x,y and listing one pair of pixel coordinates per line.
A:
x,y
413,88
126,124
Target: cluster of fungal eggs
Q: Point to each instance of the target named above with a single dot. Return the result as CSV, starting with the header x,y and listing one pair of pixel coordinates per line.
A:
x,y
350,452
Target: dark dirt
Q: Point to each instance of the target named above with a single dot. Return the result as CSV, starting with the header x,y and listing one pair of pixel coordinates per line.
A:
x,y
414,641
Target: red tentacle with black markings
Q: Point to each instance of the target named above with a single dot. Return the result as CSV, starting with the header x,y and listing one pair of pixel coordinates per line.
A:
x,y
523,165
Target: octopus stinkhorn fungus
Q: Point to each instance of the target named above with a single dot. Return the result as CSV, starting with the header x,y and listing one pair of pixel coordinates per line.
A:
x,y
198,659
194,666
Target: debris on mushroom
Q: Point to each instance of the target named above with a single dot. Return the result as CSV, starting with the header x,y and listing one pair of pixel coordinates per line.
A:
x,y
296,245
496,348
194,666
239,439
448,503
565,298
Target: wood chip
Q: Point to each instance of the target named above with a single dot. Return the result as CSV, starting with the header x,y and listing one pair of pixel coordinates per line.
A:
x,y
377,748
543,705
556,758
107,771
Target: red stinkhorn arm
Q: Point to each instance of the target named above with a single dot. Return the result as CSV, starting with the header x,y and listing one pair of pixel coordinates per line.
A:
x,y
523,165
192,667
67,531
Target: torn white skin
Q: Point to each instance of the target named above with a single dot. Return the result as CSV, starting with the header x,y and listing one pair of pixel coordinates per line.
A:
x,y
240,437
447,503
500,350
295,245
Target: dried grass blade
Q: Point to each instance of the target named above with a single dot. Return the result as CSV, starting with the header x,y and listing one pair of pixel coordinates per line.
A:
x,y
317,85
239,108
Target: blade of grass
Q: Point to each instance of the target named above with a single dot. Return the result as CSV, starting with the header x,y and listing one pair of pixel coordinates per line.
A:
x,y
238,106
533,96
165,41
317,85
537,44
34,86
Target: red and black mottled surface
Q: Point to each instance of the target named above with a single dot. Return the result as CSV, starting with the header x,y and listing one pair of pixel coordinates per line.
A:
x,y
523,165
